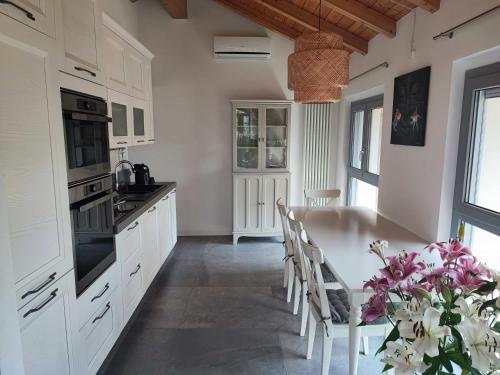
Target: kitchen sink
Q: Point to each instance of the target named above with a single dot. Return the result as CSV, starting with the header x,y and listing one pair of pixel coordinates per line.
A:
x,y
138,189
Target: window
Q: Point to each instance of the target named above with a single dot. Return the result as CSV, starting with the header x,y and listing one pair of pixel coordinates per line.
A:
x,y
364,156
477,188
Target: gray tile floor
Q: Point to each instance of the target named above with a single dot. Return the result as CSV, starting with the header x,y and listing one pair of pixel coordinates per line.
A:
x,y
220,309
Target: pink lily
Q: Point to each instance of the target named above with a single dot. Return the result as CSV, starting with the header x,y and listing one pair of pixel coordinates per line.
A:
x,y
450,251
377,307
401,267
378,284
435,277
467,275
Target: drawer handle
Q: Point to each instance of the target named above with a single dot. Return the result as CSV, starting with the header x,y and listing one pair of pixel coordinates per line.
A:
x,y
80,69
122,143
42,305
106,287
108,306
151,140
136,270
152,210
28,14
165,199
134,226
41,286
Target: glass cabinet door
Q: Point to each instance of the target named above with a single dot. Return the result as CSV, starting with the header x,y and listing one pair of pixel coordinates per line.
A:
x,y
276,131
247,138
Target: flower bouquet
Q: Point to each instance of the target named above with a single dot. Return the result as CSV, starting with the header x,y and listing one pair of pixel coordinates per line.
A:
x,y
444,316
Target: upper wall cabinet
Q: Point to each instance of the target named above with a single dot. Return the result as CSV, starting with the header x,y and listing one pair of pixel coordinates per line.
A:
x,y
80,38
135,68
38,14
115,61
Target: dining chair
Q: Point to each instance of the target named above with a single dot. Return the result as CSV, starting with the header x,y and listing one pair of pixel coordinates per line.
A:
x,y
289,269
300,280
320,198
329,307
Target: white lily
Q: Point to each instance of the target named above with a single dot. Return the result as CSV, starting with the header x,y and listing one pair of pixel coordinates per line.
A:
x,y
469,310
413,310
404,359
482,343
426,332
378,248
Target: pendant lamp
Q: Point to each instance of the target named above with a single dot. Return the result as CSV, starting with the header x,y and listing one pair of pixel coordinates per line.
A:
x,y
319,67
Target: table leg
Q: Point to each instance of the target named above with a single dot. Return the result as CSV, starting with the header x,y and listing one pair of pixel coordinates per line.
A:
x,y
354,338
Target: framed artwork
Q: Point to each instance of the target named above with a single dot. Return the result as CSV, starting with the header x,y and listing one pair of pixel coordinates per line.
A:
x,y
409,109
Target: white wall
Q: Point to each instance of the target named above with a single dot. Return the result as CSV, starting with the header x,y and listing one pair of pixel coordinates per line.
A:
x,y
192,112
125,13
416,183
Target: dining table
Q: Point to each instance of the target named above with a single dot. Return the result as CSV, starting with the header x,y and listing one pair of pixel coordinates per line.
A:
x,y
344,235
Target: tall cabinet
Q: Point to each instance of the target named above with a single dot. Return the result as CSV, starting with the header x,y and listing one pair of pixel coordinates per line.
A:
x,y
261,156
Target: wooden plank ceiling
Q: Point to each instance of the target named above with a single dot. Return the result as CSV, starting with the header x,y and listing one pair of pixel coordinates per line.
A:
x,y
357,21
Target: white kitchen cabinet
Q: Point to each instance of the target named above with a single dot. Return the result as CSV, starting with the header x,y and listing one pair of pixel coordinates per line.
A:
x,y
32,155
132,284
150,250
165,227
261,136
254,203
37,14
81,38
45,325
121,125
173,218
128,71
115,57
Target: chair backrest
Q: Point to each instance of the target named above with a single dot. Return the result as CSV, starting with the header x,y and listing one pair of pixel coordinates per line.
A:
x,y
319,198
283,211
295,230
313,256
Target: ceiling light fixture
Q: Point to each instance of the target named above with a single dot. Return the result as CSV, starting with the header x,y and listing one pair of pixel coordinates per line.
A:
x,y
318,69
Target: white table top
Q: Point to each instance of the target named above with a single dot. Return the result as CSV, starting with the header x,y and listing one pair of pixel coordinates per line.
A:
x,y
344,235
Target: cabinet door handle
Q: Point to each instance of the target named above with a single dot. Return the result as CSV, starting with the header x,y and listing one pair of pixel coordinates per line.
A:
x,y
122,143
28,14
164,199
108,306
134,226
152,210
136,270
151,140
141,141
42,305
80,69
41,286
106,287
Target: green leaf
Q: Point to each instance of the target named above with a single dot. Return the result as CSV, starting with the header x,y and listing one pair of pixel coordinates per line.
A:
x,y
496,327
490,303
446,294
362,324
393,336
443,358
458,338
433,369
487,287
387,367
459,359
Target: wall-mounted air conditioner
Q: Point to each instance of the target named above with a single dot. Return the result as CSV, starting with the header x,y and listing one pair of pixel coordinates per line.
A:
x,y
242,47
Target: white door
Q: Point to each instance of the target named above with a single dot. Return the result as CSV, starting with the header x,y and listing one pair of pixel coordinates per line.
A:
x,y
82,35
273,188
246,202
150,250
150,127
115,57
164,227
247,138
38,14
32,159
173,218
135,72
275,128
121,125
45,329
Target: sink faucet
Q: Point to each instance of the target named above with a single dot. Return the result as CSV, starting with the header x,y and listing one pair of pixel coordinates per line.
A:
x,y
116,170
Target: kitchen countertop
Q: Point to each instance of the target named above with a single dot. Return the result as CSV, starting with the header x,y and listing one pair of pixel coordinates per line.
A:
x,y
143,205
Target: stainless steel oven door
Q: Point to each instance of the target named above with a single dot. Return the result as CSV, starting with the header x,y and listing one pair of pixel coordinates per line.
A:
x,y
93,237
87,145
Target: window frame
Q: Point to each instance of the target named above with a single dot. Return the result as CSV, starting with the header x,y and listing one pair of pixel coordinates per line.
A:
x,y
477,81
362,174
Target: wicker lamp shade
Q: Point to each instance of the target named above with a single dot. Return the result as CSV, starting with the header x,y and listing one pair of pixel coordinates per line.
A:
x,y
318,68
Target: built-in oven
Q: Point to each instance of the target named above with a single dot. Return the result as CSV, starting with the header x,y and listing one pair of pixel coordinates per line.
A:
x,y
91,207
85,120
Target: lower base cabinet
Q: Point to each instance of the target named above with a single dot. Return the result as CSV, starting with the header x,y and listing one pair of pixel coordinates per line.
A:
x,y
150,250
254,203
46,329
167,225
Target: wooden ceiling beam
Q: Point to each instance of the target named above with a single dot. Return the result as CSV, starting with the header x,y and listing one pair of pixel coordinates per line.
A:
x,y
430,5
176,8
358,11
310,22
262,19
